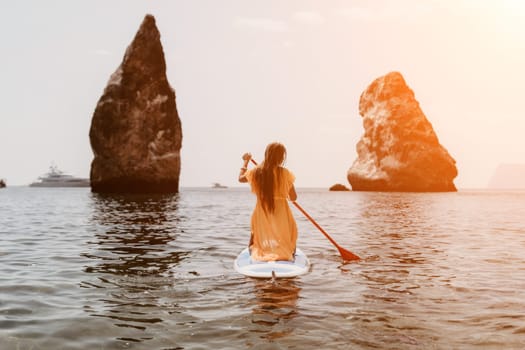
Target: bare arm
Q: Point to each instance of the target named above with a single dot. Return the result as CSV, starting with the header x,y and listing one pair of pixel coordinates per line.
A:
x,y
242,175
292,194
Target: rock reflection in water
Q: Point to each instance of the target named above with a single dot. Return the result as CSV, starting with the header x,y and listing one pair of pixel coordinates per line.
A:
x,y
405,265
274,305
402,219
133,252
406,251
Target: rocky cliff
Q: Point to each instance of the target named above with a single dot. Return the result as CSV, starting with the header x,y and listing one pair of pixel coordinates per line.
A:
x,y
136,133
399,150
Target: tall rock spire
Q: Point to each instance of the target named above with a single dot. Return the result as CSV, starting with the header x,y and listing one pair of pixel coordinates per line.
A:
x,y
136,133
399,150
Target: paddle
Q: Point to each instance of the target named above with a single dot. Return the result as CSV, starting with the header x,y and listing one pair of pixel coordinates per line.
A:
x,y
345,254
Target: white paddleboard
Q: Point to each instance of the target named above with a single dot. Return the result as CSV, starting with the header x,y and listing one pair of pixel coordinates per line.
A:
x,y
263,269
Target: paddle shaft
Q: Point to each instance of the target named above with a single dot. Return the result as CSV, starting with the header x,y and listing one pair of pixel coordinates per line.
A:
x,y
345,254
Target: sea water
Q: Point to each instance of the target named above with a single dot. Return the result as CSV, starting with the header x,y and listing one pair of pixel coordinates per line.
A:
x,y
85,271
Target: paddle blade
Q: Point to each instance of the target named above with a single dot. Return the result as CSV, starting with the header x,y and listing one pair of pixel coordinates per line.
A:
x,y
347,255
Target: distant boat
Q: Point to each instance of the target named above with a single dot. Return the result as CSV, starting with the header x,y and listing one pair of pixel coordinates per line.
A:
x,y
57,178
218,185
2,183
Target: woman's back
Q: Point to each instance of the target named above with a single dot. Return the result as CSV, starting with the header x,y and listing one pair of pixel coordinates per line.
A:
x,y
273,227
274,231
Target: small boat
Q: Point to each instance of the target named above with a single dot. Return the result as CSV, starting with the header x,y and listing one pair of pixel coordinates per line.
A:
x,y
218,185
2,183
271,269
57,178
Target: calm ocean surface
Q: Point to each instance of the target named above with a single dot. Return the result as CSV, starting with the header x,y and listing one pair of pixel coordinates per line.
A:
x,y
86,271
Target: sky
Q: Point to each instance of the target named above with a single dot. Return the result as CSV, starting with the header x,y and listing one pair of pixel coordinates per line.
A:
x,y
247,73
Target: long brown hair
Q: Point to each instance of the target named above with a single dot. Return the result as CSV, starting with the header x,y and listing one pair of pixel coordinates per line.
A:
x,y
268,174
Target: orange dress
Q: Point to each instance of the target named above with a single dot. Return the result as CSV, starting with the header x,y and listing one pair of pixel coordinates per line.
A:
x,y
274,235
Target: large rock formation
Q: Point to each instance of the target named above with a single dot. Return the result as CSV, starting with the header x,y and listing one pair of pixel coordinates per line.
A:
x,y
136,132
399,150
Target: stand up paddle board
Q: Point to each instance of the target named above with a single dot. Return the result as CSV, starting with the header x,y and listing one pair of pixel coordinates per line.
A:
x,y
268,269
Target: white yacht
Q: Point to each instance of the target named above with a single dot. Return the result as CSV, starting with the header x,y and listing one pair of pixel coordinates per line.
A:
x,y
57,178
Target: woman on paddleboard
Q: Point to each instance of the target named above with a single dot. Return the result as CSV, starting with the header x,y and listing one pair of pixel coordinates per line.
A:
x,y
273,227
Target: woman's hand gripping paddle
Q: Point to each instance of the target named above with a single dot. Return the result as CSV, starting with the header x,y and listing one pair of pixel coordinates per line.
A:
x,y
345,254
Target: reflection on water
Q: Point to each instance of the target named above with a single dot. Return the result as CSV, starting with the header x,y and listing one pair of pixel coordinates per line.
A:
x,y
274,305
395,222
84,271
133,252
134,234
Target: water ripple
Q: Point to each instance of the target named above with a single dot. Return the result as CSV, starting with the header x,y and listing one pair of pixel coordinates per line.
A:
x,y
87,271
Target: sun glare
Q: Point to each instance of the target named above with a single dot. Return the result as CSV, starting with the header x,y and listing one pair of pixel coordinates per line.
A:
x,y
516,7
509,15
